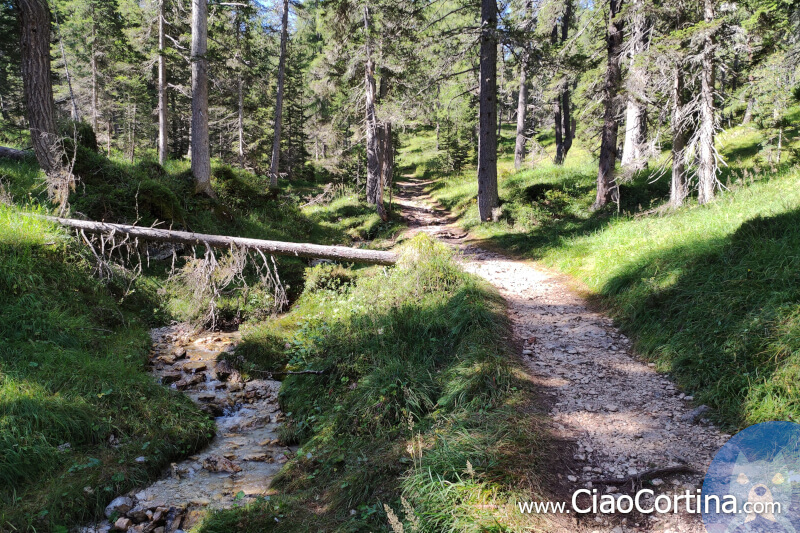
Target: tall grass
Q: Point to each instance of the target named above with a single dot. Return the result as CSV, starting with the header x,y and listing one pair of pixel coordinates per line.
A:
x,y
76,403
419,397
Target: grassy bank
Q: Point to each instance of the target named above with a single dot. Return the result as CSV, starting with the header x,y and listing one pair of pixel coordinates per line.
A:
x,y
77,405
709,293
420,410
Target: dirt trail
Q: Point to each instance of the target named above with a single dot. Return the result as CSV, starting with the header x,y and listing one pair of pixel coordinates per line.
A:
x,y
620,418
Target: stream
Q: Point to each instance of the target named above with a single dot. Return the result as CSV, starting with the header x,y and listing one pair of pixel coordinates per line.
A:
x,y
242,458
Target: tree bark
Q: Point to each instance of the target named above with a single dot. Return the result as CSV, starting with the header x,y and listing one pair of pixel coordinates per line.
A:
x,y
133,134
707,167
335,253
163,120
607,189
373,129
679,187
276,141
633,153
200,145
488,199
564,125
93,65
522,113
35,51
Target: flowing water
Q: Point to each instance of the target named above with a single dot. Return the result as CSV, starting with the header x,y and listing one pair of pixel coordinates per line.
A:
x,y
241,460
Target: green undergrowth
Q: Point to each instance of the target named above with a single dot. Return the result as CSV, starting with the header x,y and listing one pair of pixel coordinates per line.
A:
x,y
708,292
77,406
419,406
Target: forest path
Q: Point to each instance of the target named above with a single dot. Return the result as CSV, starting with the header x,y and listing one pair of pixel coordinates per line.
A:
x,y
617,417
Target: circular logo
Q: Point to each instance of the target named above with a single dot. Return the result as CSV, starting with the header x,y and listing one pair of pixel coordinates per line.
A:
x,y
753,484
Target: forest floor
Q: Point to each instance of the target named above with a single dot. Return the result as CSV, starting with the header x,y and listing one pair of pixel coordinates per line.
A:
x,y
625,425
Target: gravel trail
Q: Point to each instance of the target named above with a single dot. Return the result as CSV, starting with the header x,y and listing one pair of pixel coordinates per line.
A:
x,y
619,418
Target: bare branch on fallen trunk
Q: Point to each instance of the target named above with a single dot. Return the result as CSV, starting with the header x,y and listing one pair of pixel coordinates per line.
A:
x,y
335,253
13,153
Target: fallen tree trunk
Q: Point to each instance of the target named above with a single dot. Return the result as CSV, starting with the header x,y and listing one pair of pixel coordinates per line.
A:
x,y
13,153
336,253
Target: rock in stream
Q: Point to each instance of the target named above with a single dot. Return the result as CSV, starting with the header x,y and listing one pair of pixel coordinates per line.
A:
x,y
241,460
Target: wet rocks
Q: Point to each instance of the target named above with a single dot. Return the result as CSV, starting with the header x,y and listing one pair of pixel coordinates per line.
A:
x,y
216,463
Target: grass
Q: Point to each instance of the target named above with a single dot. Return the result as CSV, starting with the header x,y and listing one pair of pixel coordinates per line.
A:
x,y
708,292
420,407
77,405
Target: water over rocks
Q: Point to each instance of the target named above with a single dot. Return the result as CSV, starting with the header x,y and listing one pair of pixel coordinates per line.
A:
x,y
241,460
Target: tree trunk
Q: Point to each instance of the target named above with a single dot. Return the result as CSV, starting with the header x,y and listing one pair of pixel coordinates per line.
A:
x,y
276,140
607,189
163,121
74,105
133,134
240,123
488,199
93,65
679,188
748,112
335,253
707,167
35,51
522,111
373,129
633,153
200,146
4,111
569,122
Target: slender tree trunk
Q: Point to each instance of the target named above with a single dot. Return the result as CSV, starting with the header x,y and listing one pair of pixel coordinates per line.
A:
x,y
569,122
748,112
74,105
559,133
522,112
488,199
93,65
240,124
607,189
133,134
707,167
276,141
163,120
633,154
35,51
3,110
679,188
374,148
108,140
200,145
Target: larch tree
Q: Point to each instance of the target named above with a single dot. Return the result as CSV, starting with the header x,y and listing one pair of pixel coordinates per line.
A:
x,y
607,189
488,199
374,130
274,168
201,151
